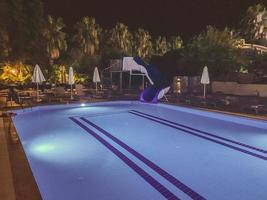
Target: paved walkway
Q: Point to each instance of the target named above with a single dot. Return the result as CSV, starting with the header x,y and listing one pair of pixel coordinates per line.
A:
x,y
7,191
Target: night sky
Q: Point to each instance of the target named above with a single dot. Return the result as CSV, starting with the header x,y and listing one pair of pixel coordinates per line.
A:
x,y
159,17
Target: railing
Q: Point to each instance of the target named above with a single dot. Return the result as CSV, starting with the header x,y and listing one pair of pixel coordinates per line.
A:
x,y
254,47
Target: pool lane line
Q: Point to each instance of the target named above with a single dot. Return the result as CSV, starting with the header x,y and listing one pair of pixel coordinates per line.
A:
x,y
204,137
178,184
204,132
148,178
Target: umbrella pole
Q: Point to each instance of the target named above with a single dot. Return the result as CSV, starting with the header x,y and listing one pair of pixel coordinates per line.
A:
x,y
96,87
37,93
71,97
205,91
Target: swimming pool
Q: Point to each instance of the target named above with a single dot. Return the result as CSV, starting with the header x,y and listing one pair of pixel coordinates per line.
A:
x,y
133,151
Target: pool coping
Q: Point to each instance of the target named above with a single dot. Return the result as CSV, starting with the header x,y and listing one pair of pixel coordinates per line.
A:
x,y
7,191
23,181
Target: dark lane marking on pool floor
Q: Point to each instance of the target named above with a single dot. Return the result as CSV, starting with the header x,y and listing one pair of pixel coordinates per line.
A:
x,y
178,184
203,132
149,179
203,137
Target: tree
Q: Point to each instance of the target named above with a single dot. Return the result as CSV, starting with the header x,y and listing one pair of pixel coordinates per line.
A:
x,y
34,23
4,38
215,49
143,44
16,28
4,50
175,42
16,73
55,37
21,23
88,35
121,38
252,24
258,65
161,46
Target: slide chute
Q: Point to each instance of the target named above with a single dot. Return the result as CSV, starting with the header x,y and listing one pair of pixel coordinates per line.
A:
x,y
159,84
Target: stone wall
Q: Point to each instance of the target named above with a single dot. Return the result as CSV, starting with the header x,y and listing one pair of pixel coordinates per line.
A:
x,y
240,89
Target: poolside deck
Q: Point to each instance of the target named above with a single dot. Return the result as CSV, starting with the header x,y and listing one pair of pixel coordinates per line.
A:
x,y
7,191
16,179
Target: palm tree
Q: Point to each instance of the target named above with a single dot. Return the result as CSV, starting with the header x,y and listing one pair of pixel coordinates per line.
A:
x,y
55,37
121,38
252,24
161,46
4,39
143,44
12,12
88,35
175,42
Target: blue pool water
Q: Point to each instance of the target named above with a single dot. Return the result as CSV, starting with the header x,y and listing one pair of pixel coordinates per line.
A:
x,y
134,151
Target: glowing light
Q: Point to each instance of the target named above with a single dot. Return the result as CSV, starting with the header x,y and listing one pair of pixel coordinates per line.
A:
x,y
83,104
44,148
13,71
61,148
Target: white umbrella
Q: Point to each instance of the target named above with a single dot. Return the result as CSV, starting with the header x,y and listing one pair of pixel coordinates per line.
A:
x,y
37,78
96,78
205,79
71,81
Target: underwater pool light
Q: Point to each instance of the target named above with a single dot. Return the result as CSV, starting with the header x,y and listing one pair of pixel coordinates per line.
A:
x,y
45,148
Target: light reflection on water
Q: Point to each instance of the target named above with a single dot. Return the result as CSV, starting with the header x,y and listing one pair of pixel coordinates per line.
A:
x,y
61,148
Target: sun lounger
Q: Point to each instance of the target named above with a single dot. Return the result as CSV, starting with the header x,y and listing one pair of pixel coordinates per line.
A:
x,y
258,108
59,94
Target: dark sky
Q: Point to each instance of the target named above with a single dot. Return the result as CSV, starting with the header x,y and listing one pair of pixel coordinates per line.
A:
x,y
160,17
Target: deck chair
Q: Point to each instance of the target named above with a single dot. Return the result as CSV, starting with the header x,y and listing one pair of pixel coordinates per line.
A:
x,y
80,93
59,94
79,90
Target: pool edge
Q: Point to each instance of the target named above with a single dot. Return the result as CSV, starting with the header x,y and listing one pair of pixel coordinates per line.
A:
x,y
23,181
